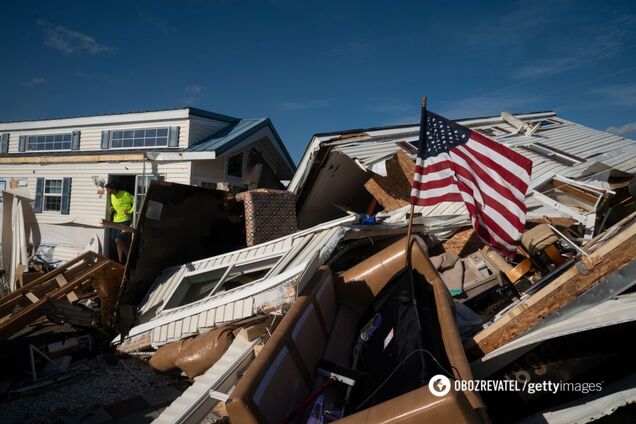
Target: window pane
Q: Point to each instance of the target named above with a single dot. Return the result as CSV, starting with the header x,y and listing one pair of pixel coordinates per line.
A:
x,y
162,132
117,134
139,134
150,142
116,143
67,137
52,203
128,134
151,133
195,288
127,143
235,165
161,141
138,142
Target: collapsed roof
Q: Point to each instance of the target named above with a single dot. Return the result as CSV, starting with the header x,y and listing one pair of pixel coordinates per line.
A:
x,y
557,147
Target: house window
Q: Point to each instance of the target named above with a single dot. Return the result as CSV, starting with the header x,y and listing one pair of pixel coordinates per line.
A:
x,y
554,154
152,137
53,195
35,143
547,123
199,285
235,165
142,182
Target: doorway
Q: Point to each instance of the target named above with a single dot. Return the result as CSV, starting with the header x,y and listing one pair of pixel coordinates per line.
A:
x,y
126,183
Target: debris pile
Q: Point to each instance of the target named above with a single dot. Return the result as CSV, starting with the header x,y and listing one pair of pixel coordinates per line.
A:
x,y
344,305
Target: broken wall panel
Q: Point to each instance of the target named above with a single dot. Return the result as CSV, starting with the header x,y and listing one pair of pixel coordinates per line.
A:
x,y
178,224
339,184
393,191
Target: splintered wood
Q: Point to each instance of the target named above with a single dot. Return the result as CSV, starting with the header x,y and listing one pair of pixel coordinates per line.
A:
x,y
394,190
463,243
612,255
83,274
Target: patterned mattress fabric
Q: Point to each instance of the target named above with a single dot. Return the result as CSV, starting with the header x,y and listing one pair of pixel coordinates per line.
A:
x,y
269,214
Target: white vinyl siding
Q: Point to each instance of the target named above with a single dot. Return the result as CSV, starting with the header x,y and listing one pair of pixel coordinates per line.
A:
x,y
201,128
87,206
91,137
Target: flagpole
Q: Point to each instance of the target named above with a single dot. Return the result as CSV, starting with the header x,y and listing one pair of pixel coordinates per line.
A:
x,y
407,256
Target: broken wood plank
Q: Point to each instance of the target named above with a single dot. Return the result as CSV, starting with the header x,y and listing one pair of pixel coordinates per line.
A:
x,y
117,226
8,303
394,190
609,258
35,310
61,281
72,297
72,159
33,298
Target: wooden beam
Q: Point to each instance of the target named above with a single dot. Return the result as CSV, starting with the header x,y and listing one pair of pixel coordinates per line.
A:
x,y
609,258
40,285
394,190
33,311
123,157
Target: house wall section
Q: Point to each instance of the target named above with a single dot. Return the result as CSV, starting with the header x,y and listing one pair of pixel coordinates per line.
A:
x,y
87,205
201,128
91,136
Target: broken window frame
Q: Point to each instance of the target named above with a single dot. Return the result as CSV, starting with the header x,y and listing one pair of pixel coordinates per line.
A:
x,y
554,154
587,218
552,123
244,267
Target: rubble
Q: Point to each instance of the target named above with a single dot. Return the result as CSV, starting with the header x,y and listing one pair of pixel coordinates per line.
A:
x,y
275,290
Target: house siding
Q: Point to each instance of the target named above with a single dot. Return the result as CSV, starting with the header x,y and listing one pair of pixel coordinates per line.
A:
x,y
91,136
201,128
87,207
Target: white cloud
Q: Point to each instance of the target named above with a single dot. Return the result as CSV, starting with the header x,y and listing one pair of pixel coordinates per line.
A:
x,y
32,82
157,22
617,94
624,131
193,88
60,38
303,105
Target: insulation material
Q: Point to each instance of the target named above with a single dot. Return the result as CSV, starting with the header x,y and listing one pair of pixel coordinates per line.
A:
x,y
204,351
269,214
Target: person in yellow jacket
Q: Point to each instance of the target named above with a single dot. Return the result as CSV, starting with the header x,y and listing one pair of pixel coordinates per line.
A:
x,y
122,209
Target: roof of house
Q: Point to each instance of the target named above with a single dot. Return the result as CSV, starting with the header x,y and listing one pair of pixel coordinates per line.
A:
x,y
186,110
371,148
233,134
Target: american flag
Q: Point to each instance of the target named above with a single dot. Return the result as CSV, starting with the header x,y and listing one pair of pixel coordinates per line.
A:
x,y
455,164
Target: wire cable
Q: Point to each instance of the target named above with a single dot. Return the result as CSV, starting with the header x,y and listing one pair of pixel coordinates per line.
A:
x,y
448,374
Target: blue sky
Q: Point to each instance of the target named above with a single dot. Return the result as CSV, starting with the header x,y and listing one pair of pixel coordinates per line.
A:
x,y
321,66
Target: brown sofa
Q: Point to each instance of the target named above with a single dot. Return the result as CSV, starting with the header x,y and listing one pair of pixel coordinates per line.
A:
x,y
322,325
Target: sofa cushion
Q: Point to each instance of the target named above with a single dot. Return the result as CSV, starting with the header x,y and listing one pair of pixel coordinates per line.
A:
x,y
340,343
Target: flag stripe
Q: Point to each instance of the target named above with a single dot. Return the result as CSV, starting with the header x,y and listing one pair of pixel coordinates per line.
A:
x,y
455,164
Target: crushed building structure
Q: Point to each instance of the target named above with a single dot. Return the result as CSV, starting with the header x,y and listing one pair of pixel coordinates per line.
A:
x,y
309,302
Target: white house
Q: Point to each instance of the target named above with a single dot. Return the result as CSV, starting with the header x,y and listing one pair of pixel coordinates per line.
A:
x,y
63,164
